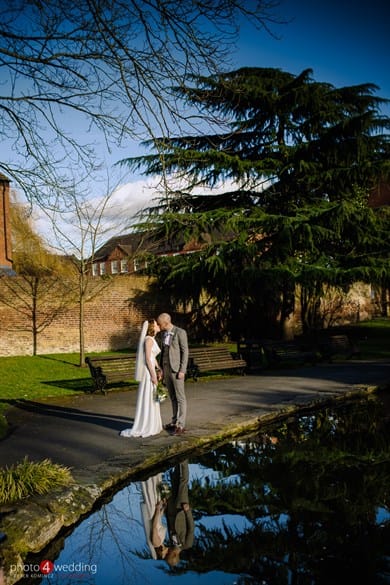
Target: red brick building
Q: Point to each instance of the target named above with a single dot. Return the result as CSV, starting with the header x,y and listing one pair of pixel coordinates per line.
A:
x,y
124,254
5,228
120,255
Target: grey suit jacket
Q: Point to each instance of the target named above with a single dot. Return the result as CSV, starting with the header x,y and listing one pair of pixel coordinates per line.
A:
x,y
178,350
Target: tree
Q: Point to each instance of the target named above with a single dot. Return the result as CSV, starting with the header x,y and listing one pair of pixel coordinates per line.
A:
x,y
43,286
297,158
110,64
79,228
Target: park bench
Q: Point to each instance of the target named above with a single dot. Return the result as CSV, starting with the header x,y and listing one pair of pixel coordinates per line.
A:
x,y
211,359
279,352
341,345
252,351
108,369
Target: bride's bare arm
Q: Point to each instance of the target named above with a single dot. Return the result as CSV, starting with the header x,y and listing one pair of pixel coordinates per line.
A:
x,y
149,359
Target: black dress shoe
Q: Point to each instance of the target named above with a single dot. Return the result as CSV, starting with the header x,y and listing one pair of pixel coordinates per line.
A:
x,y
170,427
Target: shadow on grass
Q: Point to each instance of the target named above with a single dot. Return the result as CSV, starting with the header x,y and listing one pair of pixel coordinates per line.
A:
x,y
61,360
85,385
76,384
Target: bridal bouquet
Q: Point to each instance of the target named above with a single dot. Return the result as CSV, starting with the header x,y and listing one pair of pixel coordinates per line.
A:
x,y
160,392
164,491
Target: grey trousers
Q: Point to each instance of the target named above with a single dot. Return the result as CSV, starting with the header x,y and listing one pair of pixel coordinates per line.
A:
x,y
177,395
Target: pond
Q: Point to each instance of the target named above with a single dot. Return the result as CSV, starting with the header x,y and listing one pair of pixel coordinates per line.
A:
x,y
302,502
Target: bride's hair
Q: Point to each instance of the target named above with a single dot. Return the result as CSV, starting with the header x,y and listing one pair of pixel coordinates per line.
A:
x,y
150,329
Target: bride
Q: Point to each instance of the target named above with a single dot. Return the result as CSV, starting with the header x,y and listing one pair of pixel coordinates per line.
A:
x,y
147,420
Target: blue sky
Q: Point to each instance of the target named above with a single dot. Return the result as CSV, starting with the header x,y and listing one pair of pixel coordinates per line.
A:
x,y
345,42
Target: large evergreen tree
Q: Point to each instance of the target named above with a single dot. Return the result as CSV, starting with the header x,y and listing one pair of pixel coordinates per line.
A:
x,y
299,157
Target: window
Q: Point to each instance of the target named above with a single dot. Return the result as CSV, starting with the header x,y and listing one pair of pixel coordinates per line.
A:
x,y
95,269
102,268
124,267
114,266
139,264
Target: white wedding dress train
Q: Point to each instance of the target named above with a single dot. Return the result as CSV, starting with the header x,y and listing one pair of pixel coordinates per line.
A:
x,y
147,419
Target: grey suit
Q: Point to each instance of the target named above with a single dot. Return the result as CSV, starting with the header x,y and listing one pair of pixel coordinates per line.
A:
x,y
179,519
174,359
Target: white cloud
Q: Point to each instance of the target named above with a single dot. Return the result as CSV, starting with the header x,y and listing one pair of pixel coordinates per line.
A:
x,y
120,212
128,199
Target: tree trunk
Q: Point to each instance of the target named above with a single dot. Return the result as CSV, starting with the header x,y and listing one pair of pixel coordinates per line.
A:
x,y
34,303
81,332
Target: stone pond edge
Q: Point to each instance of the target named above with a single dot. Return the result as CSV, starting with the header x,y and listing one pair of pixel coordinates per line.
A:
x,y
33,524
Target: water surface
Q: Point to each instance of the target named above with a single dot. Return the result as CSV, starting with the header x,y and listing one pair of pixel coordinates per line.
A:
x,y
303,502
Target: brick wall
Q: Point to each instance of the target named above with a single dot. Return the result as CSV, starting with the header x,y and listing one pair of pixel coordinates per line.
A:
x,y
112,321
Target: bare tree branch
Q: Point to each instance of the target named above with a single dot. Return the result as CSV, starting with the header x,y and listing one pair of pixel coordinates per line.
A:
x,y
111,63
79,225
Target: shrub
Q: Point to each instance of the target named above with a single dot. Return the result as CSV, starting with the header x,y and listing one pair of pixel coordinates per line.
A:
x,y
28,478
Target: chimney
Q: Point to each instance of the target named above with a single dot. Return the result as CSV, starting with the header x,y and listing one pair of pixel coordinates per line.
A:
x,y
5,228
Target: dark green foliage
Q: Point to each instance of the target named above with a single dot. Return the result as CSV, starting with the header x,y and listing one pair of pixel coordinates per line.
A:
x,y
298,158
30,478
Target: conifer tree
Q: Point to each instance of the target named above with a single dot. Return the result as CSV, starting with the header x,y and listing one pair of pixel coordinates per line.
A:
x,y
298,159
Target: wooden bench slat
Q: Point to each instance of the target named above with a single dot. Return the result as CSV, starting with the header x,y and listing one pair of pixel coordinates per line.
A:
x,y
208,359
107,369
334,345
276,352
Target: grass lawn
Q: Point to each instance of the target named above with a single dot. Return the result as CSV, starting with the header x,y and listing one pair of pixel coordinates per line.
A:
x,y
43,376
56,375
32,377
372,337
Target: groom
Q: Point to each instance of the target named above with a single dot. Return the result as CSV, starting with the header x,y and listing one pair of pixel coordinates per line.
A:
x,y
174,359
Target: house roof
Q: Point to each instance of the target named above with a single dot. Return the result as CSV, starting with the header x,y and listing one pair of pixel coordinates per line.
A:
x,y
129,243
132,243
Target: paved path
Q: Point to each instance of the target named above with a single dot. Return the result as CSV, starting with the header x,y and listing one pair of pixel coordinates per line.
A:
x,y
82,432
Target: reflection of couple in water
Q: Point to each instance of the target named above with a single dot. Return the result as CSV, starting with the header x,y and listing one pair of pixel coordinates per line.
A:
x,y
166,539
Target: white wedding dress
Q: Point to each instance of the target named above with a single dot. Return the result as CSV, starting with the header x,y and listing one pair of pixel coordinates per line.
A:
x,y
148,507
147,419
